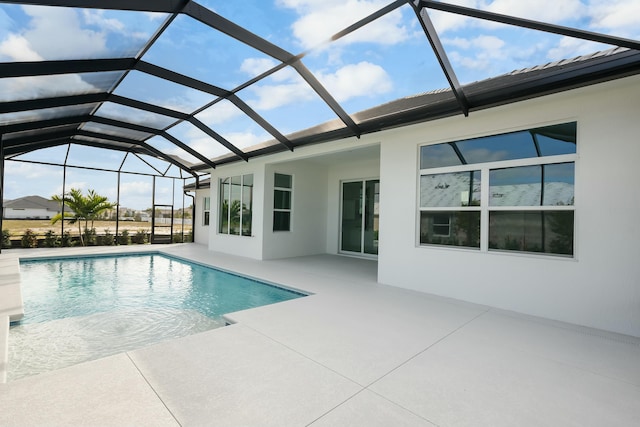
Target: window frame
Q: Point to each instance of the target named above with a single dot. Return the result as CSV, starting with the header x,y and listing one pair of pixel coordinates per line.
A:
x,y
485,207
243,212
206,211
283,210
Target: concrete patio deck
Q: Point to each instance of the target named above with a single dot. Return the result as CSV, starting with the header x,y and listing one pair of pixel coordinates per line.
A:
x,y
355,353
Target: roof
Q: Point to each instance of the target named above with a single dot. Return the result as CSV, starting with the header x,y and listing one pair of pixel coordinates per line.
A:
x,y
122,99
32,202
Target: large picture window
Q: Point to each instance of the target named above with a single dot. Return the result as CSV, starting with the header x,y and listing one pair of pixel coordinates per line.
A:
x,y
508,192
236,205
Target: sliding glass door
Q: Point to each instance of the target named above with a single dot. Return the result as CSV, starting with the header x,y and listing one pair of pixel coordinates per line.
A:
x,y
359,215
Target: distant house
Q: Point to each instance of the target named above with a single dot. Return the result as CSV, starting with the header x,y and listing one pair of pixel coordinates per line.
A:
x,y
30,207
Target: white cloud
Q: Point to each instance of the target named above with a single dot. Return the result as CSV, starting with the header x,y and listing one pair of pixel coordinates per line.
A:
x,y
207,146
219,113
42,87
62,27
256,66
355,80
444,21
244,139
135,188
29,171
569,47
619,16
319,20
269,97
17,48
96,17
485,51
552,11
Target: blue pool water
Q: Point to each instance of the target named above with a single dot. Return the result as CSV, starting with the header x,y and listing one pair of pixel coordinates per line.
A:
x,y
85,308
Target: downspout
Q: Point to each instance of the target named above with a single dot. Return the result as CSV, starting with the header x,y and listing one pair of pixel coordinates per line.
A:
x,y
193,214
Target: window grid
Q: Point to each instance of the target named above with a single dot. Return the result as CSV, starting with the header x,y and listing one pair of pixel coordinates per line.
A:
x,y
206,211
282,202
554,218
236,205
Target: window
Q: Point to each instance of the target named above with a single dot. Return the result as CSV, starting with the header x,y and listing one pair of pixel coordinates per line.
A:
x,y
206,209
236,205
508,192
283,188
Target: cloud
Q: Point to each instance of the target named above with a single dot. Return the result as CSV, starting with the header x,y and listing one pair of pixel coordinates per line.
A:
x,y
244,139
445,22
618,16
319,20
355,80
485,51
14,89
569,47
71,40
29,171
96,17
135,188
17,48
290,86
219,113
552,11
256,66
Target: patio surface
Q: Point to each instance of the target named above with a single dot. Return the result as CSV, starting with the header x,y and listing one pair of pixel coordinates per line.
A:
x,y
355,353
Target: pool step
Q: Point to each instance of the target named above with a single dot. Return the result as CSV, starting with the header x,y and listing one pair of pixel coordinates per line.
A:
x,y
10,293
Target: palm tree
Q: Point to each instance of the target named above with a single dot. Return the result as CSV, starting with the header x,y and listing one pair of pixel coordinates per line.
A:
x,y
85,208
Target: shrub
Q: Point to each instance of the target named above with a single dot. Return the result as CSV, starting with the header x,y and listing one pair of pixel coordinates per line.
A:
x,y
177,238
140,237
6,239
124,238
66,240
29,239
107,239
89,236
50,239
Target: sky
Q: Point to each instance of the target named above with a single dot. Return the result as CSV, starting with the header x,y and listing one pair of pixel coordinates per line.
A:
x,y
388,59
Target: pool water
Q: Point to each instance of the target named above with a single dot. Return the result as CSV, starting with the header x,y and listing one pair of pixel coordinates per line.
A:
x,y
85,308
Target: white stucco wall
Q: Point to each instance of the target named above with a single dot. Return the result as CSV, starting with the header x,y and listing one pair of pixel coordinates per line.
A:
x,y
316,199
308,214
600,287
201,232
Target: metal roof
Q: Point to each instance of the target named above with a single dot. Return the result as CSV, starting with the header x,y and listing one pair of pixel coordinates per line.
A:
x,y
110,99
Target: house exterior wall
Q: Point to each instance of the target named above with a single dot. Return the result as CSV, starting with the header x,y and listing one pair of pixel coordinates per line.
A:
x,y
308,234
10,213
599,287
201,231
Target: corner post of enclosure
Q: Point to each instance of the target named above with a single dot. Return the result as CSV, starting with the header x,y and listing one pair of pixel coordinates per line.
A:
x,y
118,207
1,183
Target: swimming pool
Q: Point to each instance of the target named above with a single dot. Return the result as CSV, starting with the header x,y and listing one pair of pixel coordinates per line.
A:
x,y
85,308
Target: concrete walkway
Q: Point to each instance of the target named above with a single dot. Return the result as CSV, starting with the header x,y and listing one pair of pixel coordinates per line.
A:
x,y
355,353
